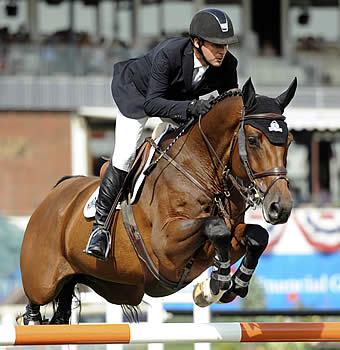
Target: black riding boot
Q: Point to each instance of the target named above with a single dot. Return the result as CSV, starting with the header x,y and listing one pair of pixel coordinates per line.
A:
x,y
100,239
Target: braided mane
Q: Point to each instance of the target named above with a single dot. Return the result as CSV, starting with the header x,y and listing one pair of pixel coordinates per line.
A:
x,y
224,95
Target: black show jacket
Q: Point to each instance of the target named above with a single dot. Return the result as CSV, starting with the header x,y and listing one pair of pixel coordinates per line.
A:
x,y
159,84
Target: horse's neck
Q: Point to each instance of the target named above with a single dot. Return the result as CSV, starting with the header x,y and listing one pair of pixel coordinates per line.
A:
x,y
219,126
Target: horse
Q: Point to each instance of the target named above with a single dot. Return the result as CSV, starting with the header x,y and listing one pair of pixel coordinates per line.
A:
x,y
188,217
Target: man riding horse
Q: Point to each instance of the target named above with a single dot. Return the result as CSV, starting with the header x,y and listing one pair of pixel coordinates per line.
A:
x,y
188,217
166,82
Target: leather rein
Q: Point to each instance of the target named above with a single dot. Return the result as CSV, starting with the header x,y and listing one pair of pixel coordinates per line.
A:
x,y
252,193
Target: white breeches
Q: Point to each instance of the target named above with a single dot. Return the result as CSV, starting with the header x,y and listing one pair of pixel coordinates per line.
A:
x,y
128,137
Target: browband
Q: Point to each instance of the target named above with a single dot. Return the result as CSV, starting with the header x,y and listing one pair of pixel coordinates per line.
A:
x,y
263,116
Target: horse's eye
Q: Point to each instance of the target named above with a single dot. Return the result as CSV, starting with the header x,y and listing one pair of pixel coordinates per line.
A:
x,y
253,141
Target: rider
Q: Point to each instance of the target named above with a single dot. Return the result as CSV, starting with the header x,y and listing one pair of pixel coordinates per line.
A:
x,y
166,82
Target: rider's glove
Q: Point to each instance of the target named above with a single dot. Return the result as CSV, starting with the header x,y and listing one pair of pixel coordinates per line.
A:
x,y
198,108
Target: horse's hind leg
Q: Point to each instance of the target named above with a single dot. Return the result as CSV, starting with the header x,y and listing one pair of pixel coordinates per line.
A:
x,y
64,303
256,242
32,315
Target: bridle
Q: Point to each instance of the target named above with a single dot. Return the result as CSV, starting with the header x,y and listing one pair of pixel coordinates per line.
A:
x,y
252,193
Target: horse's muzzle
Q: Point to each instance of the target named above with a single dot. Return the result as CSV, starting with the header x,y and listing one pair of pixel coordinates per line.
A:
x,y
276,209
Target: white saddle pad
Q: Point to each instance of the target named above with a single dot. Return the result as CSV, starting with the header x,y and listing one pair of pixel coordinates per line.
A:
x,y
90,206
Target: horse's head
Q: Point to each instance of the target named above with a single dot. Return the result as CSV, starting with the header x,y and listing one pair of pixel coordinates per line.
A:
x,y
263,142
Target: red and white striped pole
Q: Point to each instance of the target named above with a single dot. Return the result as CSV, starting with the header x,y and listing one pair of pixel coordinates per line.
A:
x,y
145,333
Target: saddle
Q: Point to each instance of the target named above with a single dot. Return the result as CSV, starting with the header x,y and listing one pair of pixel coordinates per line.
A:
x,y
137,166
135,177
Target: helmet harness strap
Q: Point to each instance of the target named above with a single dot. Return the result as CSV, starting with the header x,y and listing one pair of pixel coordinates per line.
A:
x,y
199,49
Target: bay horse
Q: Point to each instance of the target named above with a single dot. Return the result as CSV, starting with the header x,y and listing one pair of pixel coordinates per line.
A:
x,y
190,214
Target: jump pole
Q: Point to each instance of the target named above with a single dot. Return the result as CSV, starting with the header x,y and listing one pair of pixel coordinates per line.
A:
x,y
146,333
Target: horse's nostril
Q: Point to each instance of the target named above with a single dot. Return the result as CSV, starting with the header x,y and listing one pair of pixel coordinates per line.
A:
x,y
274,210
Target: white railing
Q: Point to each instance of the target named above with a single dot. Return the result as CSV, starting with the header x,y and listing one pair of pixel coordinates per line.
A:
x,y
93,305
72,93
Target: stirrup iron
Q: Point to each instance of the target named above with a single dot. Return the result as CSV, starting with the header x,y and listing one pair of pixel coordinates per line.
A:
x,y
108,246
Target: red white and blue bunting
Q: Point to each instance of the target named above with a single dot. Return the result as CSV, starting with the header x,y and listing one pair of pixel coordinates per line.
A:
x,y
306,228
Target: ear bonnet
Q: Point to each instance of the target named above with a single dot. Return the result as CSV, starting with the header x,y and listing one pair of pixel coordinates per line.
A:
x,y
275,130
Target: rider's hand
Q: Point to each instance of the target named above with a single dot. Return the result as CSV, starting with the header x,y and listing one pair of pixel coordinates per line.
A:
x,y
198,108
180,119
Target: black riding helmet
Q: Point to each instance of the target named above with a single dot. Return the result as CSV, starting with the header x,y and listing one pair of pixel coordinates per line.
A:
x,y
214,26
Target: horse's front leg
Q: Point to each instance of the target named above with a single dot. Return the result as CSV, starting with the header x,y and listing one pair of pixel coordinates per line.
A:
x,y
256,240
211,290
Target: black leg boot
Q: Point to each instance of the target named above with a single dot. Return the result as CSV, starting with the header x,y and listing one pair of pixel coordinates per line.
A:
x,y
100,239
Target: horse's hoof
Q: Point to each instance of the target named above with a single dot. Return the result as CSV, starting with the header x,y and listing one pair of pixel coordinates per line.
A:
x,y
227,297
60,317
19,320
199,297
203,295
24,321
241,291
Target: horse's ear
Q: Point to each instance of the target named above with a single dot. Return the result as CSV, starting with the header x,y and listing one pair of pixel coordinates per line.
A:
x,y
248,94
287,96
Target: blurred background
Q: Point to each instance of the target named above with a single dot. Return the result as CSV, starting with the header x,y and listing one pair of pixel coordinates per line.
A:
x,y
57,118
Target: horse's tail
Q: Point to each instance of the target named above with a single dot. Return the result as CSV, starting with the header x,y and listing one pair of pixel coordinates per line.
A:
x,y
66,178
131,313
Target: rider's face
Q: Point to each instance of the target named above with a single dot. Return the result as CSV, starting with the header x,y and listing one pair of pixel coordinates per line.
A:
x,y
214,53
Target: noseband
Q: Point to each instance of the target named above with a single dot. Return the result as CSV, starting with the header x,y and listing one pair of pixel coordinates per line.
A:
x,y
252,193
